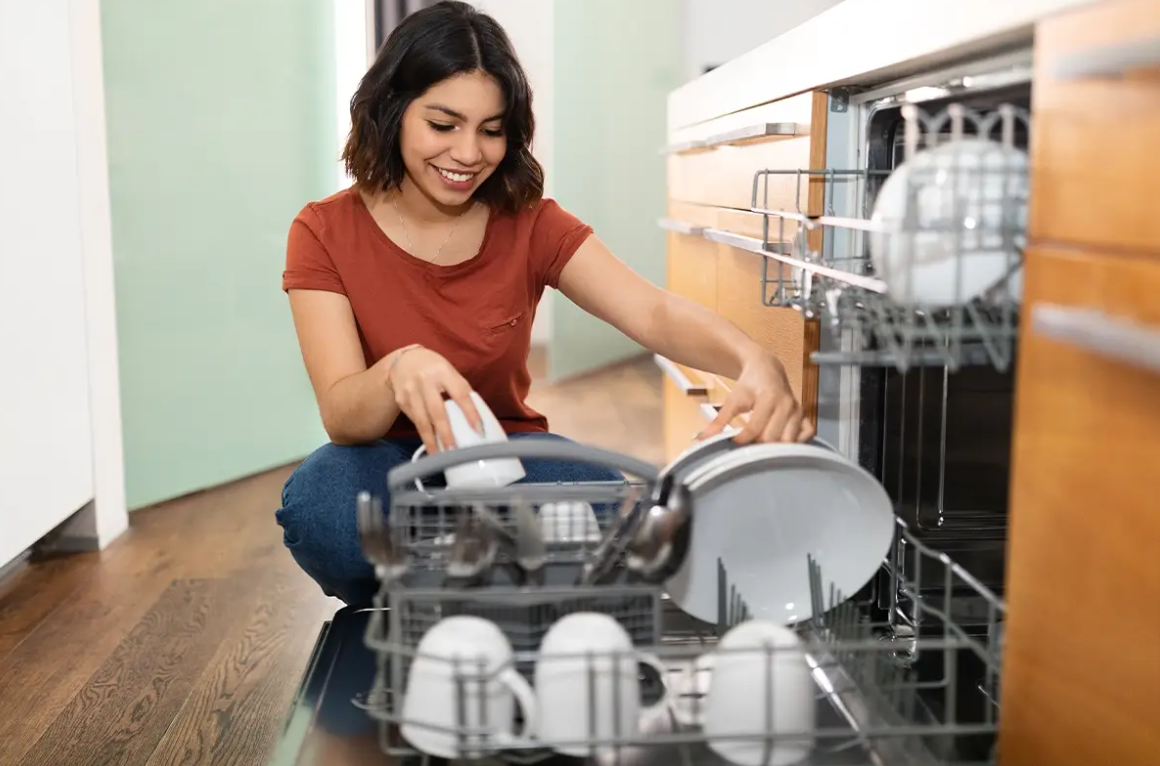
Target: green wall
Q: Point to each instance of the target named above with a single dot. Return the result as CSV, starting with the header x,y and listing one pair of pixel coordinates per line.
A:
x,y
220,122
615,63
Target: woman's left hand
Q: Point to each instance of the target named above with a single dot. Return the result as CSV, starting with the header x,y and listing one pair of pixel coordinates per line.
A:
x,y
764,391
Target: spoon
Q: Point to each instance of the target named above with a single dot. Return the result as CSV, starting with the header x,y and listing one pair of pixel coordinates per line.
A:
x,y
389,559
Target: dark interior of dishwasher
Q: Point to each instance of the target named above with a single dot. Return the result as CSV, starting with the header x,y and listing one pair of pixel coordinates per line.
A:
x,y
940,440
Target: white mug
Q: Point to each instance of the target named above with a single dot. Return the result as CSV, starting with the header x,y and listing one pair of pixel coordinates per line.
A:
x,y
754,663
480,474
569,521
463,667
587,685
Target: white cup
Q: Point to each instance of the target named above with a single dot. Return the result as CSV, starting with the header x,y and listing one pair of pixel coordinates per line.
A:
x,y
569,522
587,685
478,474
463,667
690,686
754,664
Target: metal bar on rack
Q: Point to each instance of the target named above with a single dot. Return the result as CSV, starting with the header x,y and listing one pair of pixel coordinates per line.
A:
x,y
533,449
1109,62
1097,333
755,245
680,227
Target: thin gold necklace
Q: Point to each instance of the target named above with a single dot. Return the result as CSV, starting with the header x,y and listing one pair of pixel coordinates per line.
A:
x,y
410,246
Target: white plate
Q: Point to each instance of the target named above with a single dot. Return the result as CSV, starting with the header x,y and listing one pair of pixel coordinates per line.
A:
x,y
956,198
762,509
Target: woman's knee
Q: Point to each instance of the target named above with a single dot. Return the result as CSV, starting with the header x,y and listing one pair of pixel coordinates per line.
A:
x,y
318,516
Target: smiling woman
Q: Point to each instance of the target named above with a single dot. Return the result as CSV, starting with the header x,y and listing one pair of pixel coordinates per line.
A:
x,y
420,283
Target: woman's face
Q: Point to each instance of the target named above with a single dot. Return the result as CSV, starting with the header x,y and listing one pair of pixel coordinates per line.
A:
x,y
452,137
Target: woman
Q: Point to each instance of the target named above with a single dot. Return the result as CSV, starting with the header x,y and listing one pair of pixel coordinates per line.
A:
x,y
422,280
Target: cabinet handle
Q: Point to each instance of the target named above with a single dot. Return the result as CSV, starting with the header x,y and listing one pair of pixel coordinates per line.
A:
x,y
680,227
1109,63
742,242
1097,333
737,135
710,411
688,387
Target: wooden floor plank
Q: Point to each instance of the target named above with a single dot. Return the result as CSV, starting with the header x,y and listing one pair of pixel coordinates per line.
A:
x,y
235,714
124,709
37,592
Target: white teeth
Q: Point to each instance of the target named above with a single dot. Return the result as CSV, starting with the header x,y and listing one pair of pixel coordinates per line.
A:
x,y
457,177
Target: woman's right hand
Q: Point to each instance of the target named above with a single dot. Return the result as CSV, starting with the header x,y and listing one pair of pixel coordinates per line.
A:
x,y
420,377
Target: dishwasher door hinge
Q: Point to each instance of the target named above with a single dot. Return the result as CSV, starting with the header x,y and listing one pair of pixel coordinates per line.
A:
x,y
839,99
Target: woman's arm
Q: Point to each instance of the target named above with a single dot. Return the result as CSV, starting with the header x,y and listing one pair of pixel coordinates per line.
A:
x,y
357,404
681,330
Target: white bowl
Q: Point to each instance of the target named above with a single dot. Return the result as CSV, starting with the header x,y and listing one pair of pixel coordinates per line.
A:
x,y
962,205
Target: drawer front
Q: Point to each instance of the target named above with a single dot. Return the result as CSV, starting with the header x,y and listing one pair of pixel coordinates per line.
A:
x,y
692,268
1081,676
739,299
683,399
1096,171
724,176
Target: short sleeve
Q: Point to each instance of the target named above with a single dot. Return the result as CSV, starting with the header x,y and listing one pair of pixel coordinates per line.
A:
x,y
556,237
308,263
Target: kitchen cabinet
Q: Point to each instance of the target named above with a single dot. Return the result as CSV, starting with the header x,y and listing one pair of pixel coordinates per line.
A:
x,y
1097,117
1081,669
715,240
1081,676
46,447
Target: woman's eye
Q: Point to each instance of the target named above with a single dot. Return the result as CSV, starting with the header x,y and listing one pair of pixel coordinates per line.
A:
x,y
493,133
440,127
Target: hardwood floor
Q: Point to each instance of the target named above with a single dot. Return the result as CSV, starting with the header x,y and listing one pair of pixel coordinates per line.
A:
x,y
184,642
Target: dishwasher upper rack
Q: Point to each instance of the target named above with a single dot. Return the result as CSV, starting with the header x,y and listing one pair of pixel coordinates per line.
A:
x,y
423,518
840,283
875,707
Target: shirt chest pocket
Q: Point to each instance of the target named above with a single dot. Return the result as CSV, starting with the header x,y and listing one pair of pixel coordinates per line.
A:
x,y
504,323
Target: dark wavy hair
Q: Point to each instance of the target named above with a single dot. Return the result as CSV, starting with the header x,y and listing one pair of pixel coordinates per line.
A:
x,y
429,46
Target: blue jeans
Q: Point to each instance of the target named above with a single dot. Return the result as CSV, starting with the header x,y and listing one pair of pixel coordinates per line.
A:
x,y
318,518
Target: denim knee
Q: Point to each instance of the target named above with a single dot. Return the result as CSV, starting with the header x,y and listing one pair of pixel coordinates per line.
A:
x,y
318,517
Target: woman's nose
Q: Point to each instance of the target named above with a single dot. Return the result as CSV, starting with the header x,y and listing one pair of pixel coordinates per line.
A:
x,y
466,150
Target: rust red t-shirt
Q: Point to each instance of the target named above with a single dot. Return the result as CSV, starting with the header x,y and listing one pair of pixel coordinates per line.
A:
x,y
478,314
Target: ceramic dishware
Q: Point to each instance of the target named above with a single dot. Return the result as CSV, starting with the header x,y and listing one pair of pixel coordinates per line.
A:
x,y
588,687
462,692
477,474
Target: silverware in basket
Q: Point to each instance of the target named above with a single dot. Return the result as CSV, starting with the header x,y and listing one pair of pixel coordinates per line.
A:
x,y
531,551
474,548
388,558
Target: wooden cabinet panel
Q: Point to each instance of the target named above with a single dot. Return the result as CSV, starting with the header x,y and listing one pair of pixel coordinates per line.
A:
x,y
1096,171
724,176
1081,678
692,269
739,299
683,418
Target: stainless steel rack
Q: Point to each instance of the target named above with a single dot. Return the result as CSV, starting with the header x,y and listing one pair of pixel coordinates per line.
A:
x,y
841,285
916,688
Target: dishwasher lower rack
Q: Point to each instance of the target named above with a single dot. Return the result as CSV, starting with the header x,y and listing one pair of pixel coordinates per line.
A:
x,y
881,698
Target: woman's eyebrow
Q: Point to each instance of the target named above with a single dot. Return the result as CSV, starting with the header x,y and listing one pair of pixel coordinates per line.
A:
x,y
457,115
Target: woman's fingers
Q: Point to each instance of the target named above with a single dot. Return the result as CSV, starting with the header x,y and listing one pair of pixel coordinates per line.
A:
x,y
806,431
437,414
414,407
460,392
730,409
759,420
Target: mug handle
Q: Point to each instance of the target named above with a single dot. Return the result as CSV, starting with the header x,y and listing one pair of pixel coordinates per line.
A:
x,y
526,699
665,704
418,454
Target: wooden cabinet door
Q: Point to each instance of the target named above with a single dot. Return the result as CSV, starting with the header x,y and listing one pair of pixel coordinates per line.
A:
x,y
1095,168
1081,676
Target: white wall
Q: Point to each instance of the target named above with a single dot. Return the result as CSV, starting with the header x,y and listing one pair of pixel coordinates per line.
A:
x,y
719,30
529,24
60,417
